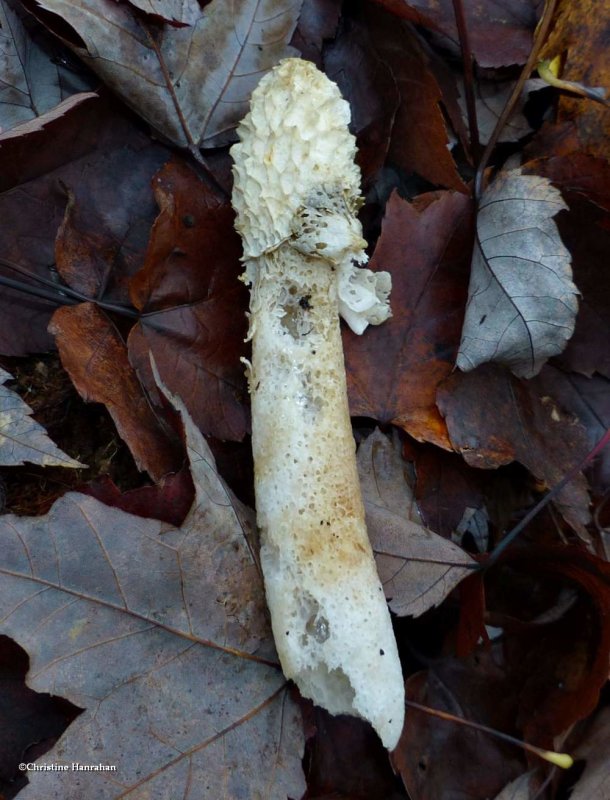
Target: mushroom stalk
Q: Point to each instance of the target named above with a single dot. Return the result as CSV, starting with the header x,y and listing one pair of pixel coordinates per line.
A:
x,y
296,194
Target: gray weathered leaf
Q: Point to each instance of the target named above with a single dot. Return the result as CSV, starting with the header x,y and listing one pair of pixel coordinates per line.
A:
x,y
173,11
161,637
519,789
417,567
522,302
594,783
22,438
192,84
30,82
491,97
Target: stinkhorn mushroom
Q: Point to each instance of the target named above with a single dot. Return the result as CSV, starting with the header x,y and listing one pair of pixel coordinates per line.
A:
x,y
296,194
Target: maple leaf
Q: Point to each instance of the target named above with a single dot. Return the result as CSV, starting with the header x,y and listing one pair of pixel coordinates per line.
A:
x,y
191,83
425,248
22,438
161,636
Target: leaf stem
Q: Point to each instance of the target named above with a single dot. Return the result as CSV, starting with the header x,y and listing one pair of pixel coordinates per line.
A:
x,y
562,760
59,293
467,58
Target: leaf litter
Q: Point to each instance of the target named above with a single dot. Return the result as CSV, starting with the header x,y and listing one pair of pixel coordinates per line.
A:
x,y
78,207
191,631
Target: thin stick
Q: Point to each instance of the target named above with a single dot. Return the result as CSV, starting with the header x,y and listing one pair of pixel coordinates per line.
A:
x,y
61,294
467,58
558,759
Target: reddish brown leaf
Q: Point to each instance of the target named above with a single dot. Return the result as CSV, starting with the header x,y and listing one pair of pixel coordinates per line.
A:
x,y
95,357
500,31
169,500
495,418
369,86
419,140
438,759
393,371
194,305
580,36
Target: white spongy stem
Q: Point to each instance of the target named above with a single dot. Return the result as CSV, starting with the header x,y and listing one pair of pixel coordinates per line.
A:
x,y
330,620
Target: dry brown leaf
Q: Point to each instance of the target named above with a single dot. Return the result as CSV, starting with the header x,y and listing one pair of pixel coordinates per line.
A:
x,y
161,637
417,567
190,83
95,357
522,302
22,438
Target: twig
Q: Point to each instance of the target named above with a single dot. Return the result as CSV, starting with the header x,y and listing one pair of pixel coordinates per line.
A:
x,y
467,58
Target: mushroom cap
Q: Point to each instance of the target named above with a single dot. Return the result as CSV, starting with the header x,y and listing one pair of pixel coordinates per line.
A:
x,y
294,148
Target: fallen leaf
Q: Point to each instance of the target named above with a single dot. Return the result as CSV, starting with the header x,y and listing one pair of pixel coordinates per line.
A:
x,y
522,788
494,419
426,252
317,23
169,500
38,124
436,758
522,302
417,567
22,438
175,12
491,96
100,156
95,356
33,83
193,303
588,399
187,699
192,84
420,141
580,36
500,32
594,783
